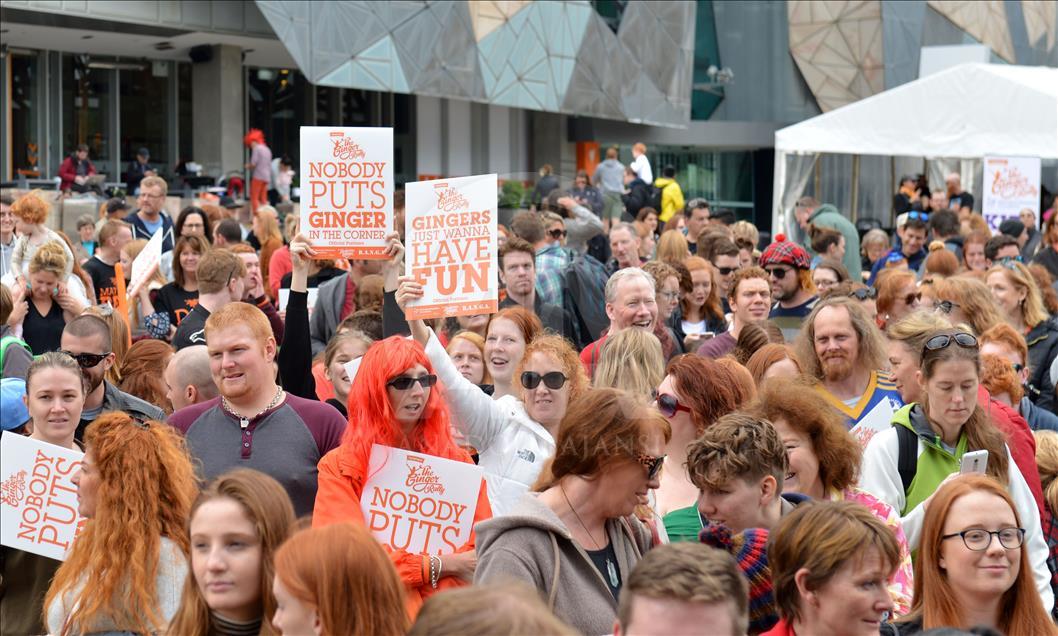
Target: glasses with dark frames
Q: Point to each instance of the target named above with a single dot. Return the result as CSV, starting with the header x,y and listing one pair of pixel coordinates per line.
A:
x,y
553,380
86,360
404,382
978,540
944,340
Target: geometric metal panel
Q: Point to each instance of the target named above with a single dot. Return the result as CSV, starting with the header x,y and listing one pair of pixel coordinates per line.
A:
x,y
1041,21
554,56
985,20
838,49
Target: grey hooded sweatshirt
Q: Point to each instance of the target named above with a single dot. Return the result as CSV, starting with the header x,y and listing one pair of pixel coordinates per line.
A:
x,y
533,546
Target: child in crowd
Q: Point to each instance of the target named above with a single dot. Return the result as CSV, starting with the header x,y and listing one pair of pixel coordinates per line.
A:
x,y
31,212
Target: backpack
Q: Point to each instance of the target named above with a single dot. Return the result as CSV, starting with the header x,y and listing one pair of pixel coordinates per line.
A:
x,y
6,342
907,455
654,196
584,296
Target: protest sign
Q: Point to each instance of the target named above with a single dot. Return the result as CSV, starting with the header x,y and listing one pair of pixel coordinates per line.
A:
x,y
284,298
1010,185
879,419
419,503
37,496
347,190
146,263
450,228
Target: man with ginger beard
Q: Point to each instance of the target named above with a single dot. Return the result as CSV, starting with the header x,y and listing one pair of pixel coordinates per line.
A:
x,y
843,350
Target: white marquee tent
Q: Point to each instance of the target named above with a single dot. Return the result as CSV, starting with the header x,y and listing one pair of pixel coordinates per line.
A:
x,y
967,112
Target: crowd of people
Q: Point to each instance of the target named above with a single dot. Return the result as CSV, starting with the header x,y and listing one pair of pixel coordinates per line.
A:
x,y
681,428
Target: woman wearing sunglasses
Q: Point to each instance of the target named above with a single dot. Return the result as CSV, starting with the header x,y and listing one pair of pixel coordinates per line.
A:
x,y
943,426
974,564
396,401
695,393
1019,300
897,295
515,434
54,398
576,539
965,300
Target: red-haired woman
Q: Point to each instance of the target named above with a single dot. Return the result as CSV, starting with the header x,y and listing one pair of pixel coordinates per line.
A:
x,y
973,568
701,308
898,295
126,570
337,580
395,401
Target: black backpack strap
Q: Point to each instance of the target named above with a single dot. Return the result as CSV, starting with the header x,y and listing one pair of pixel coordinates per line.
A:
x,y
907,455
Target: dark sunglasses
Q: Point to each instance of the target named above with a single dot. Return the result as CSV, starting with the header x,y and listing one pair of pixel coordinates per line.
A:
x,y
724,271
669,406
945,306
403,382
944,340
553,380
557,234
86,360
652,464
864,293
778,272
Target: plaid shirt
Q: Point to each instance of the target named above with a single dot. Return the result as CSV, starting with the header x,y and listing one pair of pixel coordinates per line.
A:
x,y
551,264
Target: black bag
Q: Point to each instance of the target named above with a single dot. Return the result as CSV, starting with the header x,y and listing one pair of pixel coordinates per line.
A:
x,y
584,297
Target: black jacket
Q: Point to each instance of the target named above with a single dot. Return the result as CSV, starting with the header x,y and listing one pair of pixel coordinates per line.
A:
x,y
114,399
1043,347
637,198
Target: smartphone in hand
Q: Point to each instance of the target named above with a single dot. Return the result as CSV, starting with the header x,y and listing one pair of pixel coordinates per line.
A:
x,y
974,462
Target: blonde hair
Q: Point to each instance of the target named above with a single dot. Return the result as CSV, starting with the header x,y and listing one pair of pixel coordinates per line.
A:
x,y
49,257
1047,463
1032,310
631,360
672,247
150,182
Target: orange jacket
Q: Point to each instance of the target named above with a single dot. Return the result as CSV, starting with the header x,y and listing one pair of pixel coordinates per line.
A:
x,y
341,481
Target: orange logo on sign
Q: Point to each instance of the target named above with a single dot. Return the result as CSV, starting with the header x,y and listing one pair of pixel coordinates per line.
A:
x,y
449,199
1014,184
346,149
13,489
421,477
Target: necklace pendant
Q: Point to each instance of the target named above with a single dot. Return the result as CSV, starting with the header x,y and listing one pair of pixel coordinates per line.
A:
x,y
611,569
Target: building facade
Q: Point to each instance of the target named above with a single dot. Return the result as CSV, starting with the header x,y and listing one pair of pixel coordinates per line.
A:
x,y
473,87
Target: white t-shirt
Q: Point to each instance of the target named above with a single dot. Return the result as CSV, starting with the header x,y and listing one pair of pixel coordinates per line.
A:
x,y
641,166
693,327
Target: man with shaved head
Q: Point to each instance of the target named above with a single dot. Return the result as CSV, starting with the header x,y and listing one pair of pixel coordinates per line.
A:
x,y
188,377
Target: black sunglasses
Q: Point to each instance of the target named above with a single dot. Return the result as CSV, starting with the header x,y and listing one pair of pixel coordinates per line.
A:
x,y
652,464
778,272
403,382
669,406
945,306
724,271
557,234
553,380
944,340
86,360
864,293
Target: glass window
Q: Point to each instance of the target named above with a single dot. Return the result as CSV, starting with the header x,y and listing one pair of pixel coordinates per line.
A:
x,y
86,110
145,114
184,151
279,101
25,145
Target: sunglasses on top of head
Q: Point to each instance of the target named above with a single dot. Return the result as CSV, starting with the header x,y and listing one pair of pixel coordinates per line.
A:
x,y
944,340
404,382
553,380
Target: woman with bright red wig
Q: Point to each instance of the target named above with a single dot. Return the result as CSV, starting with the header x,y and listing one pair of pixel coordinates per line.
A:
x,y
261,166
395,401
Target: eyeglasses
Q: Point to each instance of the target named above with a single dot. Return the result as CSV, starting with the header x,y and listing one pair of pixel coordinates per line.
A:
x,y
557,234
724,271
778,272
945,306
553,380
144,195
86,360
231,275
669,406
403,382
978,540
652,464
864,293
911,299
944,340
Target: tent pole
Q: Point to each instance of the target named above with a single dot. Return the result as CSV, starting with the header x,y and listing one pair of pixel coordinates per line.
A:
x,y
855,187
892,182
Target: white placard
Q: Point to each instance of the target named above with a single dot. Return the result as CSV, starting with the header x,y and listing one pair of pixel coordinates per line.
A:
x,y
1010,184
419,503
284,298
146,263
450,229
352,367
347,190
37,496
879,419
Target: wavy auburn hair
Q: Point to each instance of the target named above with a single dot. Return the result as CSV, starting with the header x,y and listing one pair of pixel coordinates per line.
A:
x,y
371,417
1020,610
343,573
711,390
146,486
267,506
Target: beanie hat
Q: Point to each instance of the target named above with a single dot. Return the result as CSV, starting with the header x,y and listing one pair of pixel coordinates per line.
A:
x,y
750,549
1012,227
783,252
13,411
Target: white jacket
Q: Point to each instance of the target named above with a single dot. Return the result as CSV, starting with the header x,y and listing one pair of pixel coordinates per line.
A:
x,y
880,476
512,448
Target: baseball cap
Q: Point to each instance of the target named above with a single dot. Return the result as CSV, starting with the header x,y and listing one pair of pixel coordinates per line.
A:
x,y
13,411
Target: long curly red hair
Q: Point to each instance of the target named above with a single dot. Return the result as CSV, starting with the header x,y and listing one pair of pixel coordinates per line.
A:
x,y
146,487
371,417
